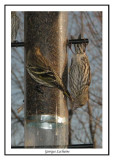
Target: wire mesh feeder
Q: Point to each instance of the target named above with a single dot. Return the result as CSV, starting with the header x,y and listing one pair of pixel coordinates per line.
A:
x,y
14,26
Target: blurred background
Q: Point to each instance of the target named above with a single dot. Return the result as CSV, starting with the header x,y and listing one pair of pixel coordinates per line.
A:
x,y
86,122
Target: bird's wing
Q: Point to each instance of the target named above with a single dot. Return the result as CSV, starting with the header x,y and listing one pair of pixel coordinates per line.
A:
x,y
48,76
40,72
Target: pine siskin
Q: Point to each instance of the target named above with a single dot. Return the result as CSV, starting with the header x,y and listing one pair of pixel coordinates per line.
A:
x,y
14,26
79,77
42,71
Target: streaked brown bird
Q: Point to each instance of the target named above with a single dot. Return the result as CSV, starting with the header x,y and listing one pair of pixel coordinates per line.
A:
x,y
79,77
15,21
41,70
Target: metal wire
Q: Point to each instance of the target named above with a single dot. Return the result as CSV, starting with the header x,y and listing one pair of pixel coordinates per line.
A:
x,y
78,41
17,44
69,146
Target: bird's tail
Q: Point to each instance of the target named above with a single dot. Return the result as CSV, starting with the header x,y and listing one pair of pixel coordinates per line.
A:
x,y
67,94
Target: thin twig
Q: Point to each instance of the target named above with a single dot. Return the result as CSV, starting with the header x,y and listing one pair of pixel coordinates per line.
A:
x,y
17,117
